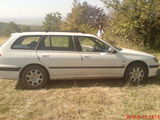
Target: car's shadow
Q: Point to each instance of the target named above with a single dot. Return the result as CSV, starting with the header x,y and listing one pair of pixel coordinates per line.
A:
x,y
58,84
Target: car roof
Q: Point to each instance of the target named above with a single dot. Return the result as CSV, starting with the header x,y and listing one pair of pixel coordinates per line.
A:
x,y
52,33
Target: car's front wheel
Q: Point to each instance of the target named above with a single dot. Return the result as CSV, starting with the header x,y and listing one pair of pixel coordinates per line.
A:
x,y
136,73
34,77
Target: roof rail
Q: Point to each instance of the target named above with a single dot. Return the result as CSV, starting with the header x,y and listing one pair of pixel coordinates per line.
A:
x,y
13,34
67,31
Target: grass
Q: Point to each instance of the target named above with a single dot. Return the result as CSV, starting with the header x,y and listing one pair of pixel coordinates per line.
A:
x,y
102,99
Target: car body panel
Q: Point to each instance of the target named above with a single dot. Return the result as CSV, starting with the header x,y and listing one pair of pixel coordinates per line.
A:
x,y
60,62
105,64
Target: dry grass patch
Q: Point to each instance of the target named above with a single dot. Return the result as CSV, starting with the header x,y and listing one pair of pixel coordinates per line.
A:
x,y
78,100
2,40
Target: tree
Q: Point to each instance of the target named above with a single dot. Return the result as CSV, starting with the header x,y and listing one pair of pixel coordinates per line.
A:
x,y
94,16
85,15
52,21
10,28
25,28
136,20
13,27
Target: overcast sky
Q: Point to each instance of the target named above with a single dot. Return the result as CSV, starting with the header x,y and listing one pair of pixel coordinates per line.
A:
x,y
38,8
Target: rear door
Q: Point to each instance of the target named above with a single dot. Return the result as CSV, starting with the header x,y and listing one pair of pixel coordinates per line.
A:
x,y
58,53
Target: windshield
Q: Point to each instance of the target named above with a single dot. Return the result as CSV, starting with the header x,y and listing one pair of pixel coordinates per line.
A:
x,y
117,48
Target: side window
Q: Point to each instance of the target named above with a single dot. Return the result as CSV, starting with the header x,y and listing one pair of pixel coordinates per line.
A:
x,y
89,44
26,42
62,43
44,44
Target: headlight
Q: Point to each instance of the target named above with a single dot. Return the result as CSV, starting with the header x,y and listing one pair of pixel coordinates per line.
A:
x,y
155,59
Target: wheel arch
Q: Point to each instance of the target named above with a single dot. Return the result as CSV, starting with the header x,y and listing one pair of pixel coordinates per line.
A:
x,y
138,61
48,74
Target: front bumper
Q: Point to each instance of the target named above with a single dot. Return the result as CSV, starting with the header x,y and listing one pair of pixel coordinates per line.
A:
x,y
153,70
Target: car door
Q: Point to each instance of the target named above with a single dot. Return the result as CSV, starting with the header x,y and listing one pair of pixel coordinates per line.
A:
x,y
59,55
97,60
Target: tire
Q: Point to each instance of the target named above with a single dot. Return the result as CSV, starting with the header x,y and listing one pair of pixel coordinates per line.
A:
x,y
136,73
34,77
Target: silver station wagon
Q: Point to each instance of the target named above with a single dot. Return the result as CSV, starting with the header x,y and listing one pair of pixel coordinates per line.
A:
x,y
35,57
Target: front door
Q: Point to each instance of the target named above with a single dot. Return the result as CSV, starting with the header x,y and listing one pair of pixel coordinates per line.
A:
x,y
97,61
59,55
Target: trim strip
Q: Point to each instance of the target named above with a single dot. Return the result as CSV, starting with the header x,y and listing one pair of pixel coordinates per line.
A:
x,y
99,67
153,66
9,69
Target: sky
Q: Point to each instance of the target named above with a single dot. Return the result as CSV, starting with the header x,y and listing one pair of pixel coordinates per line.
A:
x,y
38,8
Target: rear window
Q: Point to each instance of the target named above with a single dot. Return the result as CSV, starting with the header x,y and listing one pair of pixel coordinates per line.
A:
x,y
26,42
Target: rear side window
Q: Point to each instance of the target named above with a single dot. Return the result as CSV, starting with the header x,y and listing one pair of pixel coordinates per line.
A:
x,y
26,42
57,43
44,44
62,43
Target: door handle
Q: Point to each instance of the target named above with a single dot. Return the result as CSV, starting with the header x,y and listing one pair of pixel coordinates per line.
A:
x,y
45,55
87,57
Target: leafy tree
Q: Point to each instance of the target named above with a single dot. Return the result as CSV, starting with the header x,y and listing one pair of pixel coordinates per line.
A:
x,y
7,29
13,27
84,15
136,20
52,21
10,28
25,29
75,18
94,16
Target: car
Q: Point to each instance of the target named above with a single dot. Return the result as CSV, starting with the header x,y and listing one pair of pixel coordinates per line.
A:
x,y
35,57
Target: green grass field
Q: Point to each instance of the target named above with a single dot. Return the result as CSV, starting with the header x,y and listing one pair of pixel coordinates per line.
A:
x,y
101,99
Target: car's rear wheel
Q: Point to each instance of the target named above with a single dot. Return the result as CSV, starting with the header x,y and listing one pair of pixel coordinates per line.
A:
x,y
136,73
34,77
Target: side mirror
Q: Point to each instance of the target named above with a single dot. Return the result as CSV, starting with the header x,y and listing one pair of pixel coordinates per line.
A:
x,y
111,50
